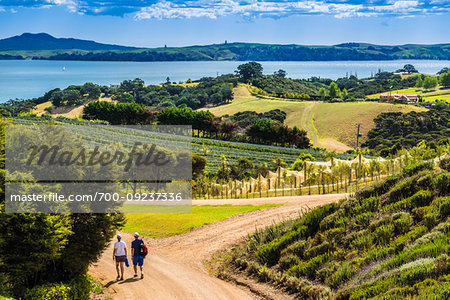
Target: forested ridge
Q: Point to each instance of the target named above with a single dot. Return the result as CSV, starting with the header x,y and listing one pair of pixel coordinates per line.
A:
x,y
48,47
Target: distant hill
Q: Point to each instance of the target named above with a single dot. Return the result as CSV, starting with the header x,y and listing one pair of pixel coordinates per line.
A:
x,y
44,46
44,41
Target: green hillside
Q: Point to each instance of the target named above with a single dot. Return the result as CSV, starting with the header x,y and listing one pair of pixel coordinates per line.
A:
x,y
329,125
44,46
390,241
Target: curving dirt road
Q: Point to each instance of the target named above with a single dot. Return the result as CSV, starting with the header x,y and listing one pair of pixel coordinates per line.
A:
x,y
175,267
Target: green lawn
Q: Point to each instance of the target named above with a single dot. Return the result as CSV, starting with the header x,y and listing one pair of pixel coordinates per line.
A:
x,y
441,95
160,225
410,90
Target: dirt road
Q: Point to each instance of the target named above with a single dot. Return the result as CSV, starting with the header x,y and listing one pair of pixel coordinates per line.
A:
x,y
174,268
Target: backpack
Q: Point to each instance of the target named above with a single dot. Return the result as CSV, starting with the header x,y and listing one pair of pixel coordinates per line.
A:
x,y
143,250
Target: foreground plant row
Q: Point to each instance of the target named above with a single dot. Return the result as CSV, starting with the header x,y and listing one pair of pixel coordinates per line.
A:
x,y
390,241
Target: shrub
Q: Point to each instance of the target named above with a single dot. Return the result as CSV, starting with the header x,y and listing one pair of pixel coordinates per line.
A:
x,y
430,219
444,206
379,188
417,167
444,164
270,253
363,220
319,249
425,182
52,291
362,242
309,224
416,270
343,274
296,248
421,198
383,234
81,287
442,183
370,204
309,268
335,234
264,273
402,222
288,261
402,190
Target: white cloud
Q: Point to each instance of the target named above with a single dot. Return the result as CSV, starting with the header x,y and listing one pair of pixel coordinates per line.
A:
x,y
185,9
398,6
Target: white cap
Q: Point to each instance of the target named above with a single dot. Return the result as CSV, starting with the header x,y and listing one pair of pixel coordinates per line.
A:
x,y
136,234
119,236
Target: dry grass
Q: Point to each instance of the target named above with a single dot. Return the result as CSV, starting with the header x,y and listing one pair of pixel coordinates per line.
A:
x,y
338,120
40,108
75,111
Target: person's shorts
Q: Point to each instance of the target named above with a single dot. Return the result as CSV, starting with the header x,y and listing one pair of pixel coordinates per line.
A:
x,y
121,258
138,260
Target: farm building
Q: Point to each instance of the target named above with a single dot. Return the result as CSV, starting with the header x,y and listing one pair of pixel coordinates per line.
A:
x,y
399,97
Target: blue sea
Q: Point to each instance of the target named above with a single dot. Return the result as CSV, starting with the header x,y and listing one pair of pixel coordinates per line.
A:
x,y
25,79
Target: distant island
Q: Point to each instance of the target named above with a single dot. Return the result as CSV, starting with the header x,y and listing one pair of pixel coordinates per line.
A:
x,y
42,46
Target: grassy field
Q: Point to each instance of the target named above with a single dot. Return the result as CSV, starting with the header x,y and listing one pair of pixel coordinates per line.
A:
x,y
427,95
439,95
297,112
329,125
159,225
338,120
40,108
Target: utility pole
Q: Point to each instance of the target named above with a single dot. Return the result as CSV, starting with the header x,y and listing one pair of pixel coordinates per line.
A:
x,y
358,135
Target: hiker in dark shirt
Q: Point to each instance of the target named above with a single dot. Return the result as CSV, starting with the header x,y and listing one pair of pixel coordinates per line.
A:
x,y
137,255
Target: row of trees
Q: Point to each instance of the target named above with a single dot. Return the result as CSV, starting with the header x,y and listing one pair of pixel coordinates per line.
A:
x,y
265,131
118,114
261,131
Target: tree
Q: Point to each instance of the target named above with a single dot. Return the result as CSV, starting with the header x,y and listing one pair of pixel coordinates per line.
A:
x,y
216,98
249,71
445,79
344,93
280,73
300,161
198,166
408,68
72,97
334,90
57,98
430,82
419,82
227,93
92,90
322,93
443,70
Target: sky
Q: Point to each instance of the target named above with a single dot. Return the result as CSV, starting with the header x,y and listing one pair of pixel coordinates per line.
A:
x,y
155,23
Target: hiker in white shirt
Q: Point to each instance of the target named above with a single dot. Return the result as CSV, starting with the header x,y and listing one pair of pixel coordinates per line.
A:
x,y
120,255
